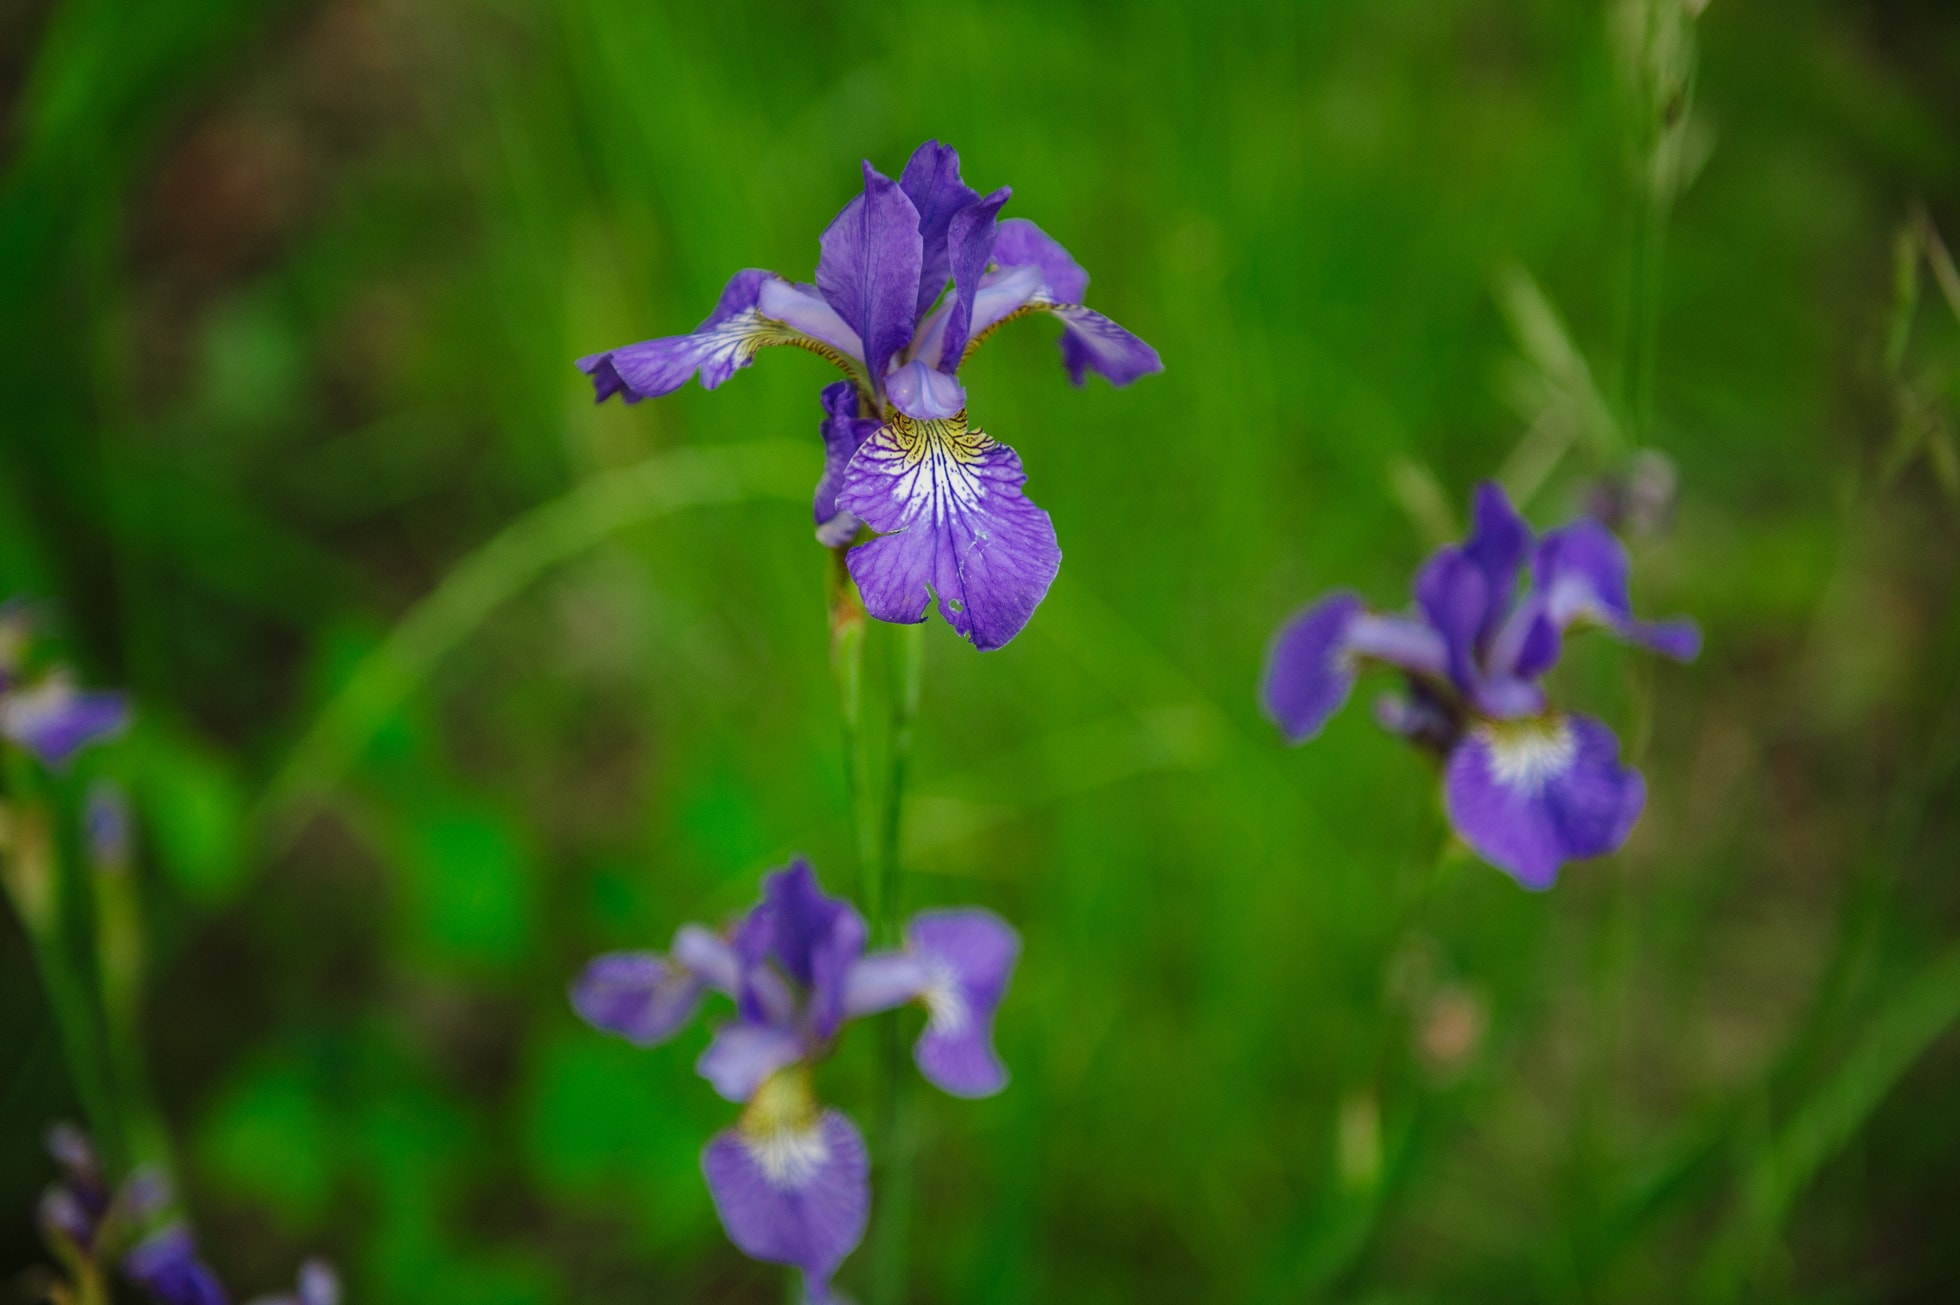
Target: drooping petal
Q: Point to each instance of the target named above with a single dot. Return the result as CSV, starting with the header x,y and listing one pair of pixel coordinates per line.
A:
x,y
756,309
792,1191
1530,795
882,981
166,1265
1309,669
931,180
54,720
1093,343
1313,661
925,394
1037,275
640,996
968,957
743,1055
953,523
843,430
1580,575
970,239
869,268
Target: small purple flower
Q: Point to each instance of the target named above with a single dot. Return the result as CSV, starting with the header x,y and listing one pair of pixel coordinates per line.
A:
x,y
791,1181
46,713
1527,787
943,498
166,1266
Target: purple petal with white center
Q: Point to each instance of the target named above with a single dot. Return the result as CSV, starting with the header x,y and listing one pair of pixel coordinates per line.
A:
x,y
812,936
743,1055
1530,795
924,393
1020,243
640,996
166,1265
953,523
54,720
967,956
882,981
970,239
1309,671
869,267
843,430
931,180
796,1193
726,340
1094,343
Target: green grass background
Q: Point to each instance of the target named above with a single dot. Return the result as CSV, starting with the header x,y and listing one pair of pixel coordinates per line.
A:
x,y
289,296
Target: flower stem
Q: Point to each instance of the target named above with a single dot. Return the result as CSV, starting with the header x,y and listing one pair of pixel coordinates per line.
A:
x,y
898,1122
847,633
36,878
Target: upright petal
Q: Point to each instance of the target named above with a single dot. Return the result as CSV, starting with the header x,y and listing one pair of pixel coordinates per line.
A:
x,y
931,180
792,1184
970,240
968,957
640,996
1530,795
1309,668
54,720
954,525
166,1265
869,268
1580,574
843,431
814,937
755,310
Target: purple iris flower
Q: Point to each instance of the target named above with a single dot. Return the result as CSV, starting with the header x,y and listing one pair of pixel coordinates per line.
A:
x,y
1528,787
942,497
791,1181
167,1266
46,713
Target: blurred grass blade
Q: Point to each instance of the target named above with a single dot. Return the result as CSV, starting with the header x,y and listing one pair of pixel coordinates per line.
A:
x,y
1779,1172
495,573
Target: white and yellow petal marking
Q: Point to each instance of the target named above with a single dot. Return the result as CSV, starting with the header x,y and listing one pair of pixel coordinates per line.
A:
x,y
936,468
782,1129
1528,754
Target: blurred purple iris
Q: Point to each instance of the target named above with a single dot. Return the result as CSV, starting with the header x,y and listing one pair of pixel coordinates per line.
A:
x,y
45,713
943,497
791,1181
1528,787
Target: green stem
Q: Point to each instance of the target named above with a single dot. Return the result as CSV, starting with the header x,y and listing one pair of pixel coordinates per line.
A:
x,y
847,633
37,883
898,1121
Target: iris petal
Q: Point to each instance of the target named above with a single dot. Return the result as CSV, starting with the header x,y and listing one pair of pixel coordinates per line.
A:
x,y
757,309
954,525
870,264
1530,795
799,1193
967,957
642,997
